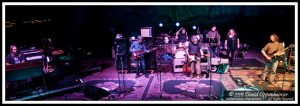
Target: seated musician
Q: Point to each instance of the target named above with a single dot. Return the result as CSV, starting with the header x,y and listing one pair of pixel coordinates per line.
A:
x,y
14,57
182,36
137,46
194,52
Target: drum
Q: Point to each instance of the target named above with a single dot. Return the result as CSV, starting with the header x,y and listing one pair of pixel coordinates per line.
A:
x,y
180,45
183,45
186,44
180,54
166,40
204,45
168,48
166,56
174,47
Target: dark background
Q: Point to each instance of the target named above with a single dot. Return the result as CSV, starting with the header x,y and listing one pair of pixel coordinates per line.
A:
x,y
94,27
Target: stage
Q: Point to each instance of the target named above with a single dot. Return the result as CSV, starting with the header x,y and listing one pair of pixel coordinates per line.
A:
x,y
173,86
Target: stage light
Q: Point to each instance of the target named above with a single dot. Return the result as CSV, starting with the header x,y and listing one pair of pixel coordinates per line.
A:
x,y
177,24
194,27
160,24
132,38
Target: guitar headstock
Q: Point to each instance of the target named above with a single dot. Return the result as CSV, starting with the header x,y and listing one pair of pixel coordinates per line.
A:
x,y
154,48
291,45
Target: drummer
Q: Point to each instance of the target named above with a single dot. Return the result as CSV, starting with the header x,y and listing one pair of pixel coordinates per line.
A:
x,y
182,37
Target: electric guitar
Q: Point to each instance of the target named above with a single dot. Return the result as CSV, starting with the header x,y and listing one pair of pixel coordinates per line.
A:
x,y
140,52
275,57
192,58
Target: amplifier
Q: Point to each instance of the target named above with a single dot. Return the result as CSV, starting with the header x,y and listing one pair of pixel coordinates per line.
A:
x,y
217,61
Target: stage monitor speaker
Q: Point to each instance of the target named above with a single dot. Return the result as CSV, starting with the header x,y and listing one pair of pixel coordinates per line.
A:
x,y
94,92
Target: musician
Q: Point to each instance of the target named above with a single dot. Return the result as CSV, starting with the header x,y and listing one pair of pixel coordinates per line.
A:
x,y
232,43
138,46
213,37
119,36
14,57
194,49
181,36
271,48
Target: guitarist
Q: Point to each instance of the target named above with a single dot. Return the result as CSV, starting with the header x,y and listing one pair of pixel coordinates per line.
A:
x,y
213,37
194,52
270,50
137,46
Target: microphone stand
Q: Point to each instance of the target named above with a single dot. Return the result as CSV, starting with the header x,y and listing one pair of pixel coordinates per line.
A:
x,y
209,71
124,84
160,85
122,70
286,67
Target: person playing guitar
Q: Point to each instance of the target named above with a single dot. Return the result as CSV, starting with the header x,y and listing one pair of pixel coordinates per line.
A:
x,y
213,38
272,49
136,48
194,52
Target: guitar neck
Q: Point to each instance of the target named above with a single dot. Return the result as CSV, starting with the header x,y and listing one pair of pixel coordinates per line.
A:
x,y
286,48
142,52
281,50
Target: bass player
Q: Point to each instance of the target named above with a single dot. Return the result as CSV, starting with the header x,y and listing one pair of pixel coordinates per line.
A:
x,y
135,47
271,50
194,53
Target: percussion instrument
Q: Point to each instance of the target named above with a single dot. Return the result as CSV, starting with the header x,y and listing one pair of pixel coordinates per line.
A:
x,y
166,40
166,56
180,53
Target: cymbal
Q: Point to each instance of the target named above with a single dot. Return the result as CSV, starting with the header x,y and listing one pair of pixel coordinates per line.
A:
x,y
160,37
164,34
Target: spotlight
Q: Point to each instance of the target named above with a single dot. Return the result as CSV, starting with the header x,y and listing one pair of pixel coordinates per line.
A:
x,y
132,38
194,27
177,24
160,24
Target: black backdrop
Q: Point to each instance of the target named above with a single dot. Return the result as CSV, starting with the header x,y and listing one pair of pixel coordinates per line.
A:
x,y
94,27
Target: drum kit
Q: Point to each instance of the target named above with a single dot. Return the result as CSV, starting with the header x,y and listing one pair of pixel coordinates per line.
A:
x,y
170,47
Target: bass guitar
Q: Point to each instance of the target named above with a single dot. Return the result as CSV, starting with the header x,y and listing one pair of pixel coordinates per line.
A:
x,y
273,57
192,58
